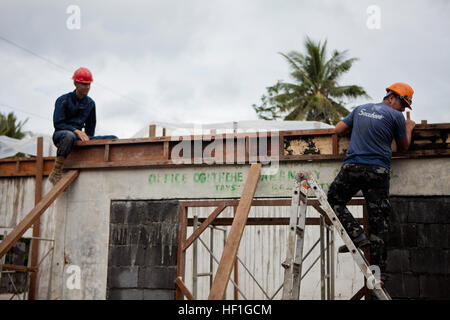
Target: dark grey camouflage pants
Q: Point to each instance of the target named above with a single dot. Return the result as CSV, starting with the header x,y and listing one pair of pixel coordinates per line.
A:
x,y
373,181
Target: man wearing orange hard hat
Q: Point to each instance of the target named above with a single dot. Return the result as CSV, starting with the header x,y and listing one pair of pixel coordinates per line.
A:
x,y
74,112
367,164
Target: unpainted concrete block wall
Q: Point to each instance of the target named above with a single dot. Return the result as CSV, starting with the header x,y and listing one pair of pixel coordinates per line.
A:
x,y
419,248
142,254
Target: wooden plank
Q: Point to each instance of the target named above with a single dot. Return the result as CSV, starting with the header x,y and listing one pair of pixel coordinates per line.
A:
x,y
27,167
310,132
155,152
335,142
106,156
265,203
11,267
236,269
36,212
180,284
152,131
166,150
262,221
181,254
359,294
203,226
234,238
37,225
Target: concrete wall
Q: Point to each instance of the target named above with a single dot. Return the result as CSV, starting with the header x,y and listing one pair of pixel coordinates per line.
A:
x,y
419,248
79,221
142,257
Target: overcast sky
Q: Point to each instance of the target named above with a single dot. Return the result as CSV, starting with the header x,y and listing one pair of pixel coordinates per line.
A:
x,y
207,61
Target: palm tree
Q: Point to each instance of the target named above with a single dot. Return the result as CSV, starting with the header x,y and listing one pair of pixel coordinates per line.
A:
x,y
9,127
315,94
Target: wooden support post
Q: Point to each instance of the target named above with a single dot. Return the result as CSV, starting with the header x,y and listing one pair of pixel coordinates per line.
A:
x,y
194,261
236,269
37,211
211,258
152,131
106,155
361,292
198,231
181,255
182,287
37,225
335,144
166,150
234,238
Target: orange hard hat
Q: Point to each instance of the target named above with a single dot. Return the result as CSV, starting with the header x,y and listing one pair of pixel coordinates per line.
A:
x,y
403,90
82,75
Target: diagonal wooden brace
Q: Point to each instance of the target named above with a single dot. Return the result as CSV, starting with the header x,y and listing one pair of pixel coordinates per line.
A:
x,y
36,212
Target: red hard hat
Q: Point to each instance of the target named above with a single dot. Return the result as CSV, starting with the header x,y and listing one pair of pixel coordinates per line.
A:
x,y
82,75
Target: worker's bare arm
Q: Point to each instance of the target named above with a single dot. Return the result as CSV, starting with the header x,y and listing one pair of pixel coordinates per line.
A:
x,y
404,143
342,128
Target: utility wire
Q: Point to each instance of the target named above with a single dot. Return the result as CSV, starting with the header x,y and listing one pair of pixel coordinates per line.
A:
x,y
21,110
64,68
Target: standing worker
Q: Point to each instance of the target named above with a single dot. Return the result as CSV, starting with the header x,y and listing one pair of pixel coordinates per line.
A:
x,y
73,112
366,167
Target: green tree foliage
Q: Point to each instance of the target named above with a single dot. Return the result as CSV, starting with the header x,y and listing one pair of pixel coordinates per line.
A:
x,y
314,94
10,127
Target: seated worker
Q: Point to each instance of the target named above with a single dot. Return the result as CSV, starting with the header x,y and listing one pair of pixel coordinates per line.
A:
x,y
73,112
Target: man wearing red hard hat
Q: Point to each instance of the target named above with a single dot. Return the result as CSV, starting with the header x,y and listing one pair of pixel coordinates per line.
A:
x,y
73,112
367,164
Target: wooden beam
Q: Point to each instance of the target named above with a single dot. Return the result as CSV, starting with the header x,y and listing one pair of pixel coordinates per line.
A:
x,y
36,212
234,238
180,284
181,254
265,203
11,267
152,131
155,151
203,226
106,155
27,167
37,225
262,221
236,269
359,294
335,145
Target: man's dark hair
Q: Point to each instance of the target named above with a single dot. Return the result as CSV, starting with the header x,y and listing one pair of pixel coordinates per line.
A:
x,y
395,94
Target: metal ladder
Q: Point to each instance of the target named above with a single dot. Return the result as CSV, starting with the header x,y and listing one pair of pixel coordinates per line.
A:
x,y
293,263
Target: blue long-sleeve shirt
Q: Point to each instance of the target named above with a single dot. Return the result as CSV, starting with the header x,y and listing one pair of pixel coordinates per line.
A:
x,y
71,113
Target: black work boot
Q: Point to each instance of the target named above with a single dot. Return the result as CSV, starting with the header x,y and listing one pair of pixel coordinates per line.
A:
x,y
360,241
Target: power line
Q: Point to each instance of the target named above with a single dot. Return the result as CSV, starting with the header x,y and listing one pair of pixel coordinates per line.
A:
x,y
64,68
21,110
33,53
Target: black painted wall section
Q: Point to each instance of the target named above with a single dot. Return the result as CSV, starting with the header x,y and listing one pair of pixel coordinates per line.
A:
x,y
142,254
418,263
